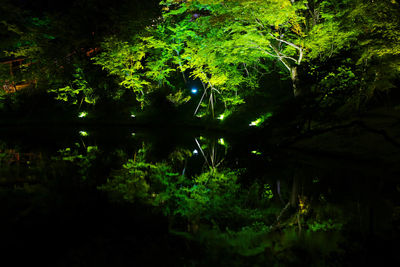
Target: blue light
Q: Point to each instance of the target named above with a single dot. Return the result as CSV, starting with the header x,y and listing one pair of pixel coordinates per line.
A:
x,y
194,90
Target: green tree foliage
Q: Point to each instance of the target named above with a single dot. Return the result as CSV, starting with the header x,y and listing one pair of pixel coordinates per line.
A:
x,y
142,181
209,196
53,40
229,45
339,84
149,62
378,25
214,196
78,91
125,61
226,45
367,61
82,159
248,35
215,209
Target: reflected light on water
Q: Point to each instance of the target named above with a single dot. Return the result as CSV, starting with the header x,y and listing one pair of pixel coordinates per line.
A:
x,y
83,133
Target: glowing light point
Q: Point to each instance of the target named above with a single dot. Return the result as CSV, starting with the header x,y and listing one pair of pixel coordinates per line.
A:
x,y
133,134
133,115
255,152
83,133
221,141
82,114
260,120
256,122
195,152
194,90
221,117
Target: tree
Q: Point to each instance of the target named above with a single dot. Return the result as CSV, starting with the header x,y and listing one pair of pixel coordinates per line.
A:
x,y
378,26
227,45
230,45
57,43
255,32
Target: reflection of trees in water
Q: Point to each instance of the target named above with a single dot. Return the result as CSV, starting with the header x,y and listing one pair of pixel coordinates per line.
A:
x,y
10,156
305,216
215,206
18,166
210,149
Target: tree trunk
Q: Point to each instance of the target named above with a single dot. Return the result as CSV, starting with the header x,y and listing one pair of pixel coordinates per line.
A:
x,y
294,78
295,190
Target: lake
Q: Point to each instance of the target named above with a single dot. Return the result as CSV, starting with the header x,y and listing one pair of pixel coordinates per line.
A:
x,y
118,196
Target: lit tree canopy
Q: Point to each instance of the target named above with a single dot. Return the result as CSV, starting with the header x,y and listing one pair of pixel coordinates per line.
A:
x,y
227,45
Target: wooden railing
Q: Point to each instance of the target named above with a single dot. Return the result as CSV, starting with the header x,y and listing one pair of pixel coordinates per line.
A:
x,y
12,86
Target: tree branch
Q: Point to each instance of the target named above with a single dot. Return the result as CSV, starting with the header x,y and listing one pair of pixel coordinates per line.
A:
x,y
286,42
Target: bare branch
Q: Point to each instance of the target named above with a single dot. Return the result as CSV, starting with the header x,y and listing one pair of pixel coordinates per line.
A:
x,y
287,57
201,150
286,42
300,56
281,59
201,100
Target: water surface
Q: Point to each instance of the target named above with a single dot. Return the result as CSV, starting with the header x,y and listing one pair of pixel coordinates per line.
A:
x,y
125,196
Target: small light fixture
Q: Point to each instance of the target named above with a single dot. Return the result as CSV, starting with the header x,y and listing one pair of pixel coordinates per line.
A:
x,y
194,90
256,152
83,133
257,122
221,141
82,114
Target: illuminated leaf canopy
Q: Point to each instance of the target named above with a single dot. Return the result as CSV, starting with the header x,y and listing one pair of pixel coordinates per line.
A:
x,y
229,45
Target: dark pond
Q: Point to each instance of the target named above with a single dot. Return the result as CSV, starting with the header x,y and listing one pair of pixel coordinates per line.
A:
x,y
145,197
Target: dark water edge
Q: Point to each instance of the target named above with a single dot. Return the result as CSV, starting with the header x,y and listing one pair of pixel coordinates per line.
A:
x,y
51,217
